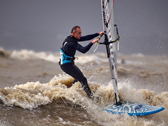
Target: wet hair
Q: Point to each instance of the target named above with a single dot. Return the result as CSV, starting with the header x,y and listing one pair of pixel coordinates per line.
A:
x,y
75,28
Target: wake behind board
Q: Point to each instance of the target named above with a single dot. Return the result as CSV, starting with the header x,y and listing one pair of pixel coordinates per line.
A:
x,y
133,109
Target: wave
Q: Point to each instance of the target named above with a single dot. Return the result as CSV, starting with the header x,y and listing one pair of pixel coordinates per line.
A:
x,y
31,95
25,54
4,53
53,57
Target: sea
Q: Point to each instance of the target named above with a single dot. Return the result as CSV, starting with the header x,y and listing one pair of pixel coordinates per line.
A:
x,y
34,91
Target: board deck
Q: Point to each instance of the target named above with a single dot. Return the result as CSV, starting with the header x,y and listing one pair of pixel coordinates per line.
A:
x,y
133,109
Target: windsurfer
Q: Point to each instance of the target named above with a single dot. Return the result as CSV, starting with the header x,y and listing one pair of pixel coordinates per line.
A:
x,y
68,50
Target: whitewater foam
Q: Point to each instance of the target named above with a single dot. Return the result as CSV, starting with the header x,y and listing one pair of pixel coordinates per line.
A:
x,y
34,94
59,93
54,57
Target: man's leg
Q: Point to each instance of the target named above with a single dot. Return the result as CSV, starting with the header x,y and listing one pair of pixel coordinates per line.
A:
x,y
86,88
75,80
75,72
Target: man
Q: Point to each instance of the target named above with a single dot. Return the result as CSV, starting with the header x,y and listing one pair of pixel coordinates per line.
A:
x,y
67,56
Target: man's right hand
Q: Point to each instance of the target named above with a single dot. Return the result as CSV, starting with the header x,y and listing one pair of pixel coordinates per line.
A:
x,y
95,40
102,32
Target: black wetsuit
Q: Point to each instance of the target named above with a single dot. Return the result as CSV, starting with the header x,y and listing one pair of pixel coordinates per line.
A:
x,y
69,47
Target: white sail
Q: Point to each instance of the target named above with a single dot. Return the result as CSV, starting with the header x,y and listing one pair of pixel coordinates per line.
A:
x,y
110,36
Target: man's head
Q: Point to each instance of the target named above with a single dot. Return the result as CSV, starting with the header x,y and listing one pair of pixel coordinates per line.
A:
x,y
76,32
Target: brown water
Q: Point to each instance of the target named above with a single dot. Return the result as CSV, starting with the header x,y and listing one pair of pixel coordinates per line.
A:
x,y
35,92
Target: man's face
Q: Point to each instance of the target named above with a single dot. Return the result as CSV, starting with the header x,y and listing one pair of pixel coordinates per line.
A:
x,y
78,33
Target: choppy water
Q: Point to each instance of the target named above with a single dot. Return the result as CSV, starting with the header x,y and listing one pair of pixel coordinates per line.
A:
x,y
35,92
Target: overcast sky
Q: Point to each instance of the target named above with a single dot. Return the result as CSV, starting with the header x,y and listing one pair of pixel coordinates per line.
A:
x,y
42,25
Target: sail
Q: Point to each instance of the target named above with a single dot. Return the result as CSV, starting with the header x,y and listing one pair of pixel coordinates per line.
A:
x,y
111,35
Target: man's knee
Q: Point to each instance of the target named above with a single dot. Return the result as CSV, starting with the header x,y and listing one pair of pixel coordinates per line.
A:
x,y
83,81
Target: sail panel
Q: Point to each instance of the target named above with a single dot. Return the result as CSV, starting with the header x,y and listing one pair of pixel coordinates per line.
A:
x,y
110,35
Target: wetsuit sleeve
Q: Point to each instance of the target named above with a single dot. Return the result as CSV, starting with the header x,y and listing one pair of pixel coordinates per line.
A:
x,y
88,37
83,49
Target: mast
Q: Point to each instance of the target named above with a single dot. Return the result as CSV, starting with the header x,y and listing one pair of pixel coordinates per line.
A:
x,y
111,35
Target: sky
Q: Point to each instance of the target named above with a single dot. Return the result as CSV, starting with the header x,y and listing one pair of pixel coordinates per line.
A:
x,y
42,25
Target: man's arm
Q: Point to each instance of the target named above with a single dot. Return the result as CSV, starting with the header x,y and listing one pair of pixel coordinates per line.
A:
x,y
91,36
88,37
83,49
86,48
